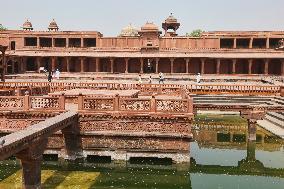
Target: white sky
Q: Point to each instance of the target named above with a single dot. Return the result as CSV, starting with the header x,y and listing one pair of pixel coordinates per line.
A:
x,y
110,16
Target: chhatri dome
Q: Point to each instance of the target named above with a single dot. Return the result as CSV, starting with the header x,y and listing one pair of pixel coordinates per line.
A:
x,y
149,26
53,26
170,26
27,25
129,31
171,19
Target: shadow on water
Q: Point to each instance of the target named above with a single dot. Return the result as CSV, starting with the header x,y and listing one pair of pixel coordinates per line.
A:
x,y
150,161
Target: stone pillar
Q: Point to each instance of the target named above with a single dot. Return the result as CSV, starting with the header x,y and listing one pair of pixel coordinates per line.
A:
x,y
31,173
282,67
202,65
231,137
111,65
157,65
267,43
53,63
97,64
52,42
250,43
235,43
37,42
252,129
234,66
38,62
172,65
218,66
82,64
141,65
73,142
67,64
126,65
82,42
31,164
67,42
251,146
187,65
24,64
266,66
250,66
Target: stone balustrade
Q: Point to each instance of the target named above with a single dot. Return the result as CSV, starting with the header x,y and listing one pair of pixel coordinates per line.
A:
x,y
149,89
32,103
136,105
233,89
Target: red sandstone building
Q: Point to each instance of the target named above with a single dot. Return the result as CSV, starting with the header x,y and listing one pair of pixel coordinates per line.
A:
x,y
135,51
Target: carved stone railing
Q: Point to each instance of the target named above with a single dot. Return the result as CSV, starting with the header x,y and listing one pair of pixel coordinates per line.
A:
x,y
47,103
30,103
135,105
174,105
96,104
12,103
170,89
233,89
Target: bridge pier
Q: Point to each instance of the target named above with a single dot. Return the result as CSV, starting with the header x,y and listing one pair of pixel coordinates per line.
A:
x,y
252,116
252,124
31,159
73,143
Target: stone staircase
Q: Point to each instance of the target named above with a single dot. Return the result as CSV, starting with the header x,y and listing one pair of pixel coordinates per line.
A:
x,y
232,99
273,121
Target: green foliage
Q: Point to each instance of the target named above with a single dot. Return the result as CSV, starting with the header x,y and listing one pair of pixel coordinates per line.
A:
x,y
2,27
195,33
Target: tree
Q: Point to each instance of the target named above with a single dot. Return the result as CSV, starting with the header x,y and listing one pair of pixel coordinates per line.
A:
x,y
195,33
2,27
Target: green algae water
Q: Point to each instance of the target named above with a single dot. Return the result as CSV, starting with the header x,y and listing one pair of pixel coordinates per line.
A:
x,y
221,158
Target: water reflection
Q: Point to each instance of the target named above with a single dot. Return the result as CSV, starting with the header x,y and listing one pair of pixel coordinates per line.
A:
x,y
221,157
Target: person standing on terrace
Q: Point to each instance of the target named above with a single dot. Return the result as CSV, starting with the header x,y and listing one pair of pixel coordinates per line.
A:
x,y
49,77
198,78
161,78
139,79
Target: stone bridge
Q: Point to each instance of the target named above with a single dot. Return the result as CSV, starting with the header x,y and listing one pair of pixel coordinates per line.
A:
x,y
29,144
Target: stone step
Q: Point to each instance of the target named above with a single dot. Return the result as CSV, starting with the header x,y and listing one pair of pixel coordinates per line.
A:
x,y
276,130
276,115
278,101
247,99
279,98
232,96
232,100
275,121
